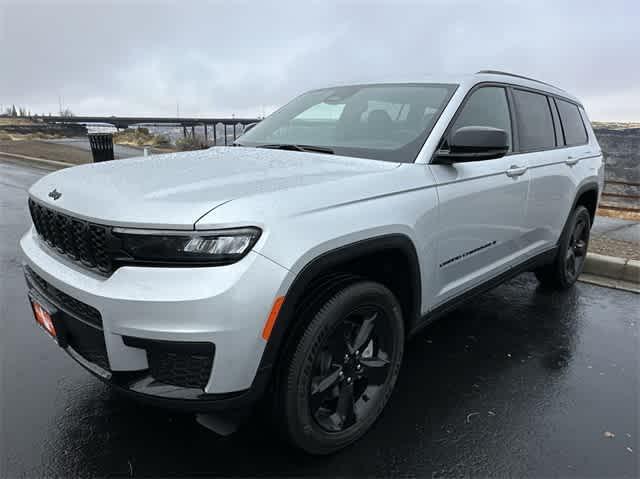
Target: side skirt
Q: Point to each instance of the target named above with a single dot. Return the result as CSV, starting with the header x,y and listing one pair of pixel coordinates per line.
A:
x,y
542,259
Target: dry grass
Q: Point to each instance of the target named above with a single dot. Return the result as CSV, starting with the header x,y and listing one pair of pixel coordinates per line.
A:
x,y
615,125
623,215
16,121
47,151
29,136
191,142
140,137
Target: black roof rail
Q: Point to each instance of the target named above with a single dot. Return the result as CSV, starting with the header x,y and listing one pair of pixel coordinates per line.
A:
x,y
498,72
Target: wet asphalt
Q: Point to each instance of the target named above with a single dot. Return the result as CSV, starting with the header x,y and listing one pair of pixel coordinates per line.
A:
x,y
518,382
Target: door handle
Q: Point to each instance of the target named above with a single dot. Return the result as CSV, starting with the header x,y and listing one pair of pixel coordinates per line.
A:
x,y
515,171
571,160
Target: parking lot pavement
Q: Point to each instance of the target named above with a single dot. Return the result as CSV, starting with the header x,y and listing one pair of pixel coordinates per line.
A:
x,y
518,382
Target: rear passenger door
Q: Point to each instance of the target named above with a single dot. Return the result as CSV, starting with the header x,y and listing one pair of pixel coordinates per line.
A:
x,y
552,185
481,203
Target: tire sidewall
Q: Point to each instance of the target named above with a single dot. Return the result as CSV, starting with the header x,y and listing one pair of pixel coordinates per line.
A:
x,y
302,428
561,266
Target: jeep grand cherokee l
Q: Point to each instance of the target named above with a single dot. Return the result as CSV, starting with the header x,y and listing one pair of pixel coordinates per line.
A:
x,y
294,265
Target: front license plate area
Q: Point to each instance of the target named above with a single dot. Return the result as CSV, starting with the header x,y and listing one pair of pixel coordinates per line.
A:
x,y
49,318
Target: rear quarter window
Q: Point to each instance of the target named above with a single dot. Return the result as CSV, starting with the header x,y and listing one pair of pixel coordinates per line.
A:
x,y
574,130
535,126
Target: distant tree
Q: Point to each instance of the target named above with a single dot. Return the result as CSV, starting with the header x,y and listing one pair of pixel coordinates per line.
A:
x,y
66,113
13,111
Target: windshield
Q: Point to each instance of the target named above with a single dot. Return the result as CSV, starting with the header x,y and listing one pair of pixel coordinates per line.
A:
x,y
384,122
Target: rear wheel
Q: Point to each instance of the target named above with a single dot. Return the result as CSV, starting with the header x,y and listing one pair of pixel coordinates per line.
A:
x,y
572,252
343,370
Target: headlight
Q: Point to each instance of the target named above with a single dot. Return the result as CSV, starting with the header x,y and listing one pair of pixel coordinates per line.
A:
x,y
189,248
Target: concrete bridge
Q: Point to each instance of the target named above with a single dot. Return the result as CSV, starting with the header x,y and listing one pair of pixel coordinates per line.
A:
x,y
122,122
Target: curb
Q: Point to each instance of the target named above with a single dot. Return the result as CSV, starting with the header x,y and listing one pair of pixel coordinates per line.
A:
x,y
38,162
612,267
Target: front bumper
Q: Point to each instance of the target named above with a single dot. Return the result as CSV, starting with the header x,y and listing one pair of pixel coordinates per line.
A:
x,y
143,307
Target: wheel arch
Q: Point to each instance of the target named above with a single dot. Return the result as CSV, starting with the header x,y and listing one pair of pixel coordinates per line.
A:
x,y
587,196
341,260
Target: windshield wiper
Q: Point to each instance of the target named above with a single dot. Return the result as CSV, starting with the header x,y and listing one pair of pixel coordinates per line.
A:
x,y
287,146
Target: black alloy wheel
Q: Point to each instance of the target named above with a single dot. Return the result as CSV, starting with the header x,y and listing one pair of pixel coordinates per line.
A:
x,y
577,248
341,367
572,252
351,369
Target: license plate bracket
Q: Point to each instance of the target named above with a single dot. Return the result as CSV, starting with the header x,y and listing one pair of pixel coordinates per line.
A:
x,y
49,318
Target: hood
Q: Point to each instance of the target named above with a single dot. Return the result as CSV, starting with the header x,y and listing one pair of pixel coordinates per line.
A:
x,y
175,190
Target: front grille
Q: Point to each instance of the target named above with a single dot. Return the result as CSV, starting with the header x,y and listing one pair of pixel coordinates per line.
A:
x,y
183,364
64,301
80,240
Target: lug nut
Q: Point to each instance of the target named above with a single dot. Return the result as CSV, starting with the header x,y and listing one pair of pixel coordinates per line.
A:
x,y
358,367
348,380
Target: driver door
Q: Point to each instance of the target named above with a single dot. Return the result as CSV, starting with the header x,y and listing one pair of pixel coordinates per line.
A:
x,y
482,204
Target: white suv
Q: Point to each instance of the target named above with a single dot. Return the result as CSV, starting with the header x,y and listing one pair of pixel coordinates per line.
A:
x,y
296,264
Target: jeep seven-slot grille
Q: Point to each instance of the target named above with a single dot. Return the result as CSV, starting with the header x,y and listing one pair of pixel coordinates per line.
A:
x,y
77,239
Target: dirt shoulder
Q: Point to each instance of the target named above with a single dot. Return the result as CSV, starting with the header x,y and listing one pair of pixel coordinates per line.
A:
x,y
46,151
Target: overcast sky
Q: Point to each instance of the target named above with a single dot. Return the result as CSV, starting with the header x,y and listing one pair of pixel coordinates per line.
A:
x,y
220,58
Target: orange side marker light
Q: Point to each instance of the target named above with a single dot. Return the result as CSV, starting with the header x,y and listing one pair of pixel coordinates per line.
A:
x,y
268,327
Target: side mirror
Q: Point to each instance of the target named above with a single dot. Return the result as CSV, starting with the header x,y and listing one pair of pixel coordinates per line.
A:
x,y
475,143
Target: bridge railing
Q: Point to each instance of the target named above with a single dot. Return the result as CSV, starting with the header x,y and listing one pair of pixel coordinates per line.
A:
x,y
231,126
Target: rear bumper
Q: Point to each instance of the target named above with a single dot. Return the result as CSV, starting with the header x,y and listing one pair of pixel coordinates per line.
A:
x,y
147,317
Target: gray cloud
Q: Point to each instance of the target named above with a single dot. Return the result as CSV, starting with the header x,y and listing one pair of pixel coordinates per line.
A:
x,y
218,58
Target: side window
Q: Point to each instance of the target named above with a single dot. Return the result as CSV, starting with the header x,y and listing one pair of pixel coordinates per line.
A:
x,y
574,131
487,106
535,127
556,122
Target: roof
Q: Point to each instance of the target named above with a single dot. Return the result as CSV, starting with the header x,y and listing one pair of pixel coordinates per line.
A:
x,y
466,81
515,79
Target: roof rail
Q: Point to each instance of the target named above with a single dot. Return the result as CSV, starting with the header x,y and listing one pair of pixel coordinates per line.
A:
x,y
498,72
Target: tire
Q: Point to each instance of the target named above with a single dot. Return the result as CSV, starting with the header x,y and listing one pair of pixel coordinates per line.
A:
x,y
327,399
572,251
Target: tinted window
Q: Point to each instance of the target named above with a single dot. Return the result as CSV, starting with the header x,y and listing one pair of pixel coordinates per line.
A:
x,y
486,106
556,122
535,127
574,132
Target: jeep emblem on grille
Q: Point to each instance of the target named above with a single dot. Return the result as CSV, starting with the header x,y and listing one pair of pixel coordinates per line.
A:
x,y
55,194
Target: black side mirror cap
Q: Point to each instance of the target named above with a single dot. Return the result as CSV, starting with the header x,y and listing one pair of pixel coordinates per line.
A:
x,y
475,143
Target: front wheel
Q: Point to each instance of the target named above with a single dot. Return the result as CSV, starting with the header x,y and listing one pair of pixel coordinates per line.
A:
x,y
343,370
572,252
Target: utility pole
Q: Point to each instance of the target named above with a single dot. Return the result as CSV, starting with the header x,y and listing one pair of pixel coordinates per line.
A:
x,y
177,109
